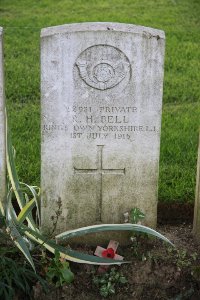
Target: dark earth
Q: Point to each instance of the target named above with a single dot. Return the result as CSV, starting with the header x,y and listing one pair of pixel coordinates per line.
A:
x,y
156,271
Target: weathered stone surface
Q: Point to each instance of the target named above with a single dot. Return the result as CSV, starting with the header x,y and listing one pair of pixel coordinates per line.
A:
x,y
196,223
2,127
101,90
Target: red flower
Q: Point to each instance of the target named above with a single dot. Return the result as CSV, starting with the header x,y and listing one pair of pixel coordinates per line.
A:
x,y
108,253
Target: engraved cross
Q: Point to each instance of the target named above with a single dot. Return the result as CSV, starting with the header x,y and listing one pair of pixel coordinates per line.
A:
x,y
100,171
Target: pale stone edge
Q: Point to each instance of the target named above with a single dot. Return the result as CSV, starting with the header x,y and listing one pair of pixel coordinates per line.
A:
x,y
103,26
2,119
196,221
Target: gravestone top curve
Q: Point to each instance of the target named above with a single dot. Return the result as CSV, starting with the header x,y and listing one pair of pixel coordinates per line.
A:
x,y
103,26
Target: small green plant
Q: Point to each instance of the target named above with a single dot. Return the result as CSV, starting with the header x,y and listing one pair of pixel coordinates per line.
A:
x,y
108,282
182,258
59,271
136,247
136,215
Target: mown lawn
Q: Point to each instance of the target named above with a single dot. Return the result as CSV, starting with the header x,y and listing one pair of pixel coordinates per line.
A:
x,y
180,19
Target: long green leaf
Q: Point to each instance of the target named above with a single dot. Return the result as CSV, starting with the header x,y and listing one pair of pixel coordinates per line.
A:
x,y
111,227
69,254
2,211
25,211
12,172
36,198
14,178
9,206
20,243
14,233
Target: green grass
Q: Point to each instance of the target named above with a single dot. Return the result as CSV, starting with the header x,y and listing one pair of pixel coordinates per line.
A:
x,y
179,141
22,21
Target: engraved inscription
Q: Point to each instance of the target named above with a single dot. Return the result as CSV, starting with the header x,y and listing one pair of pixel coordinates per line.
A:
x,y
102,122
100,171
103,67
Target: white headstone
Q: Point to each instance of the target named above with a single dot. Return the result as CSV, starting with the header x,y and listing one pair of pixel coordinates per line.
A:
x,y
101,90
2,128
196,223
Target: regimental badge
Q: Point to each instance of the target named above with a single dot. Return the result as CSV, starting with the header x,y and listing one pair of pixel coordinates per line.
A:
x,y
103,67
